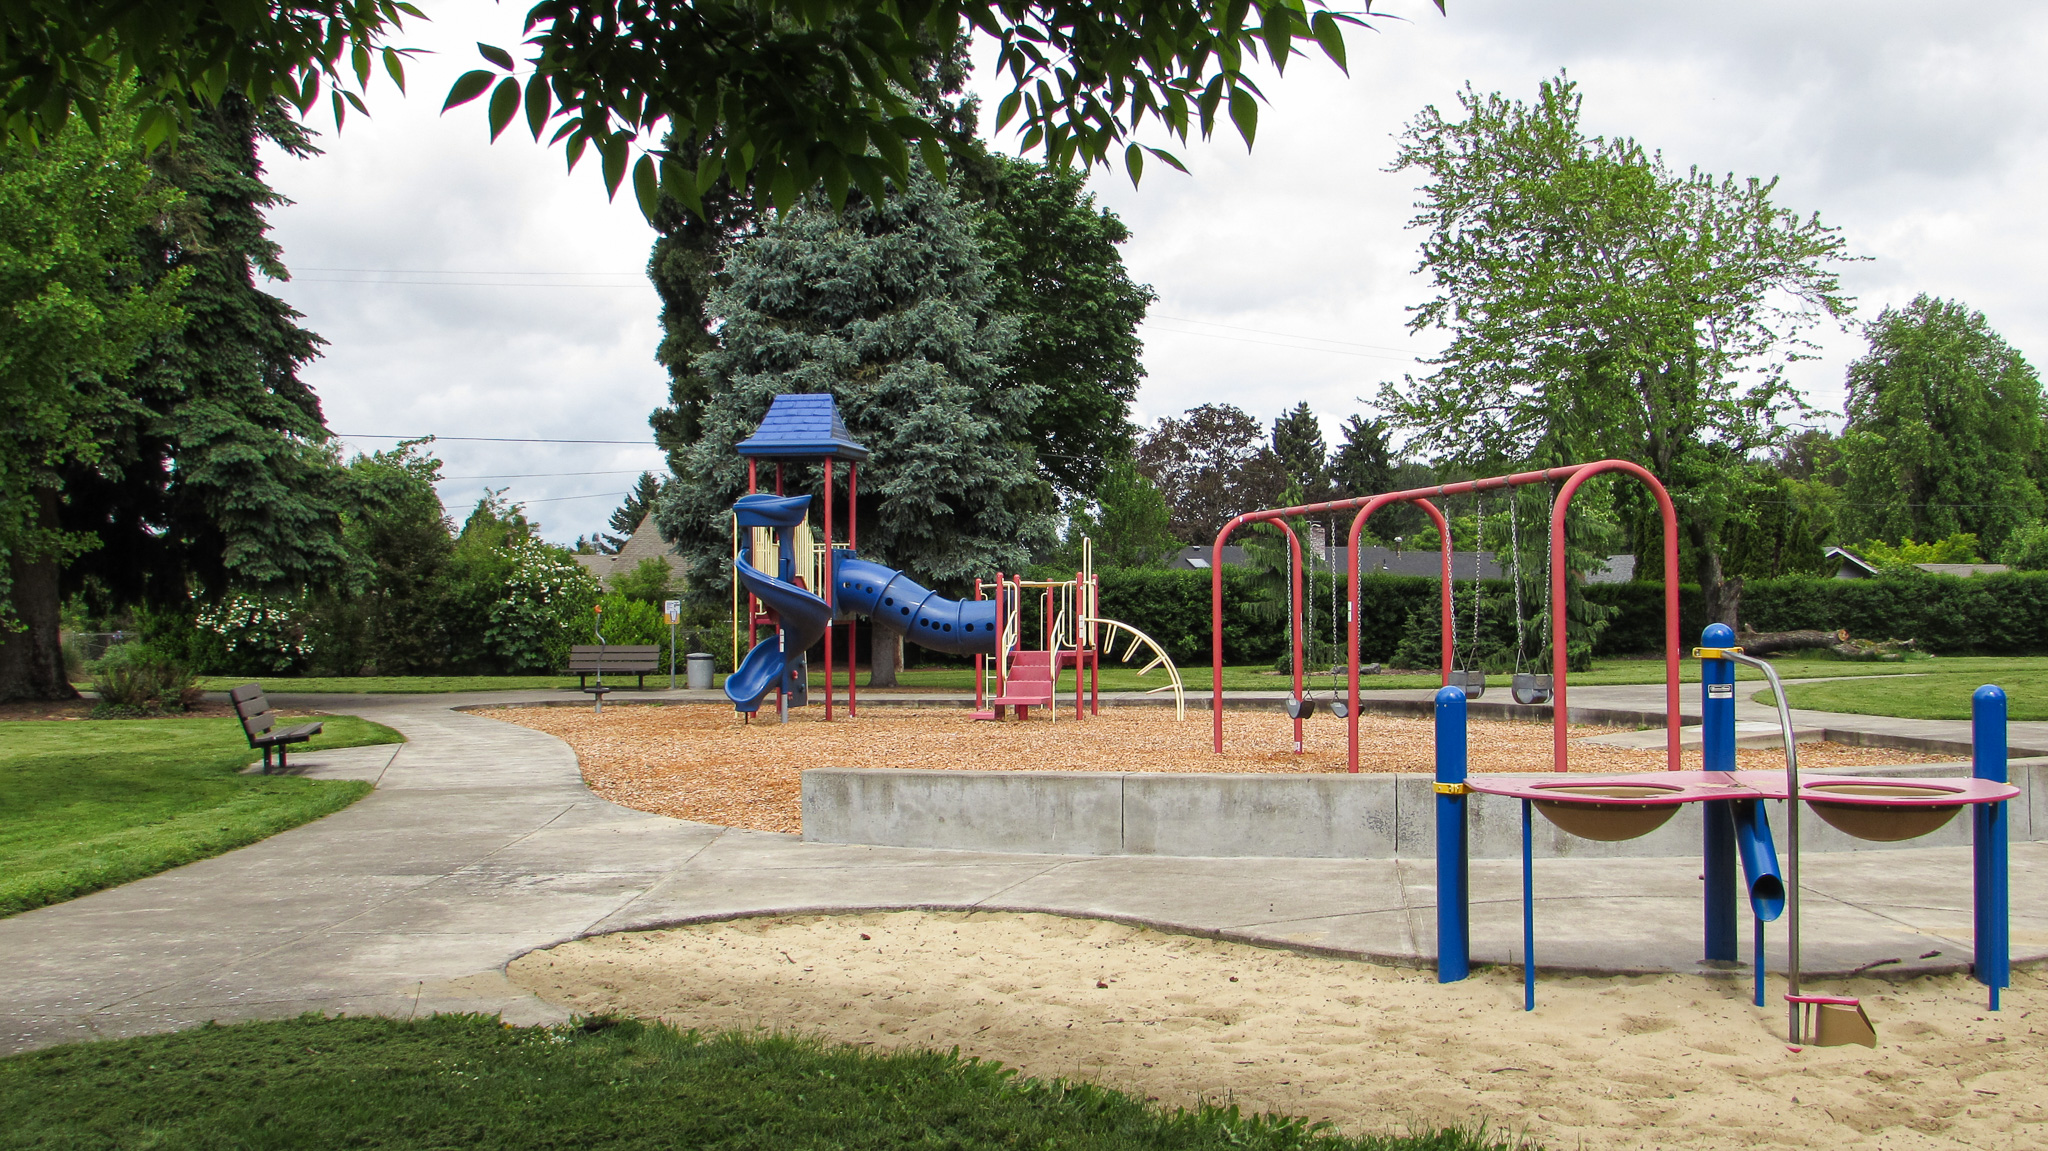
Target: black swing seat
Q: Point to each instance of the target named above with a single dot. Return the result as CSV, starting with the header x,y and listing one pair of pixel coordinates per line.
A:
x,y
259,723
1300,707
1530,688
1473,683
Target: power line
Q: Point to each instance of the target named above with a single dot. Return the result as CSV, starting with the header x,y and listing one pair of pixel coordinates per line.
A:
x,y
498,440
1272,332
545,475
1295,347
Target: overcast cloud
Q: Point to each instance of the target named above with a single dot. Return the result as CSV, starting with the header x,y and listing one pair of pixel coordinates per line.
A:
x,y
472,289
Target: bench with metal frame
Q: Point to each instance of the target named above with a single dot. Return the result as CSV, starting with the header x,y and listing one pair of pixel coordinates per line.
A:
x,y
259,723
588,659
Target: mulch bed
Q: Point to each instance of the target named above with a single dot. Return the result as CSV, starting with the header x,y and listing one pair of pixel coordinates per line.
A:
x,y
701,762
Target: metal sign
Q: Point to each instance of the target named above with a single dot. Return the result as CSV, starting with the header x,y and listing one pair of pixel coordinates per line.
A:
x,y
672,612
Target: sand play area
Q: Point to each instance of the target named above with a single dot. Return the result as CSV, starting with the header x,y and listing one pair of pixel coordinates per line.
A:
x,y
1674,1061
700,762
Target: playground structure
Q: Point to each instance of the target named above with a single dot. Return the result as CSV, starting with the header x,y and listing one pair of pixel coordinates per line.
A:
x,y
1736,825
800,590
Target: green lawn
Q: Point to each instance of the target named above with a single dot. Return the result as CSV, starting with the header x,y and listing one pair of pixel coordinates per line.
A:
x,y
400,684
468,1081
88,804
1945,694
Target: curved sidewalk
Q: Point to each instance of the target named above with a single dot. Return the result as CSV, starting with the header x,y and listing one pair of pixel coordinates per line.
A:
x,y
481,843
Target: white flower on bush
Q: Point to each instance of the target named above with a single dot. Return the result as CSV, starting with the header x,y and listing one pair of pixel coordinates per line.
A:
x,y
546,598
258,629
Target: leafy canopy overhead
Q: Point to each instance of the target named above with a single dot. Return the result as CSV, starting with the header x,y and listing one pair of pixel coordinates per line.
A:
x,y
777,95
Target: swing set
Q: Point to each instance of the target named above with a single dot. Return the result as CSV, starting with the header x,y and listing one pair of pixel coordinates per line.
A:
x,y
1527,687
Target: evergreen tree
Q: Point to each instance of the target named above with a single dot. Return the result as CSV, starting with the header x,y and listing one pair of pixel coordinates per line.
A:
x,y
1298,441
1944,431
633,509
888,307
388,614
213,476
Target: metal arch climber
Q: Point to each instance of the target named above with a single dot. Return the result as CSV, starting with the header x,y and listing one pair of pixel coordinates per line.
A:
x,y
1573,476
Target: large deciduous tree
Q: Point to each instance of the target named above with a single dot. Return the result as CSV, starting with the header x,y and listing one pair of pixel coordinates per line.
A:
x,y
889,308
1058,273
784,96
1211,463
1945,429
1600,304
76,305
203,468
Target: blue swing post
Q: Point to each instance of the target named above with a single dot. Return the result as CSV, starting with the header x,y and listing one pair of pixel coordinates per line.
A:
x,y
1992,963
1453,870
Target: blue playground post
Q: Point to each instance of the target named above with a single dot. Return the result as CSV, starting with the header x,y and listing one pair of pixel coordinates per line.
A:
x,y
1717,816
1453,870
1528,915
1993,960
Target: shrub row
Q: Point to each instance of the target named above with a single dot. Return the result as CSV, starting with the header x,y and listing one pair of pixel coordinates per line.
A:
x,y
2003,614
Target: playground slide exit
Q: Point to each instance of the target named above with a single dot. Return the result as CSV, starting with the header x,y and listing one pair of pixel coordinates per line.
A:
x,y
958,627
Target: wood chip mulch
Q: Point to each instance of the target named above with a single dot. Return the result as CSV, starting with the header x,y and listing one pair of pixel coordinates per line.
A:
x,y
701,762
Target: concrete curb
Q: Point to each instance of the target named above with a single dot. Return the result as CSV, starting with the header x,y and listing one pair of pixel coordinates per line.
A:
x,y
1277,815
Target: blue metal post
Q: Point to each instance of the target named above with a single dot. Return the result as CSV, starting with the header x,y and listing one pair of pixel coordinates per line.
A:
x,y
1993,960
1717,817
1453,872
1528,916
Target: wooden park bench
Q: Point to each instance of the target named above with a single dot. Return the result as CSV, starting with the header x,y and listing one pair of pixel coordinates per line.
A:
x,y
588,659
259,723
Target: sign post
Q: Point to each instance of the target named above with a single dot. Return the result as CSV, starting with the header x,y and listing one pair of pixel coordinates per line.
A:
x,y
673,612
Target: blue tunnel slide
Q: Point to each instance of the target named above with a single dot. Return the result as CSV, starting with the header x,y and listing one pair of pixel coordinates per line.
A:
x,y
883,594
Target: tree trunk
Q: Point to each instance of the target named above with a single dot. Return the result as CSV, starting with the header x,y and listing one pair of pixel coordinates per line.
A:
x,y
32,659
884,657
1772,642
1723,596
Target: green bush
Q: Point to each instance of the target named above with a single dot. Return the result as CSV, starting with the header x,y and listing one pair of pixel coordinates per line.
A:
x,y
1997,614
135,679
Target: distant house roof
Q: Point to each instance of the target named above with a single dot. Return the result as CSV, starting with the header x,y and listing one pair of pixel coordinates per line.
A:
x,y
1854,566
645,543
1371,559
1963,569
806,425
1615,569
1851,565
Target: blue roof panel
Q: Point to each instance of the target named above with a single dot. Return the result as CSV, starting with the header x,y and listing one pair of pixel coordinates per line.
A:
x,y
805,425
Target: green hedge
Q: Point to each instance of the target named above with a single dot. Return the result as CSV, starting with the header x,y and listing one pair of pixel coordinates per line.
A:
x,y
1990,614
2002,614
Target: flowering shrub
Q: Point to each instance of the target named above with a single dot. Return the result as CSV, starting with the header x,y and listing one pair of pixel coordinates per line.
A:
x,y
544,609
259,634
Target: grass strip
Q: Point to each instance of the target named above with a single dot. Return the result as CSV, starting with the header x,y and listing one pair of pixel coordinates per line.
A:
x,y
89,804
1944,694
469,1081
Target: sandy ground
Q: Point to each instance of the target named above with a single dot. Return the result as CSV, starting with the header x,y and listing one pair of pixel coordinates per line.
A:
x,y
700,762
1674,1061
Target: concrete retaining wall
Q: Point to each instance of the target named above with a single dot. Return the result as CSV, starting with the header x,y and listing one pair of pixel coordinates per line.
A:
x,y
1289,816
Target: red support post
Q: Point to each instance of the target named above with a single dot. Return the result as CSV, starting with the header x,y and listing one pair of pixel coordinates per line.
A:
x,y
1558,584
852,545
828,588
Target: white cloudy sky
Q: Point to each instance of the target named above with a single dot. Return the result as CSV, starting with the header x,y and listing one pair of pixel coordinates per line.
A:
x,y
476,290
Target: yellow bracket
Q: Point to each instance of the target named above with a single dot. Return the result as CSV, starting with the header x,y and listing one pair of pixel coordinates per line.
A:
x,y
1453,789
1714,652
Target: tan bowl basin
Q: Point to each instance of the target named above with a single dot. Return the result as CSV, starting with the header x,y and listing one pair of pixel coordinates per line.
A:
x,y
1608,822
1884,823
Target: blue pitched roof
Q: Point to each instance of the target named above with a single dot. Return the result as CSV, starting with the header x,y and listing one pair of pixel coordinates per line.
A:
x,y
803,425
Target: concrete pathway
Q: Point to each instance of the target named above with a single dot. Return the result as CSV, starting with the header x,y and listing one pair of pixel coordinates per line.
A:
x,y
481,843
